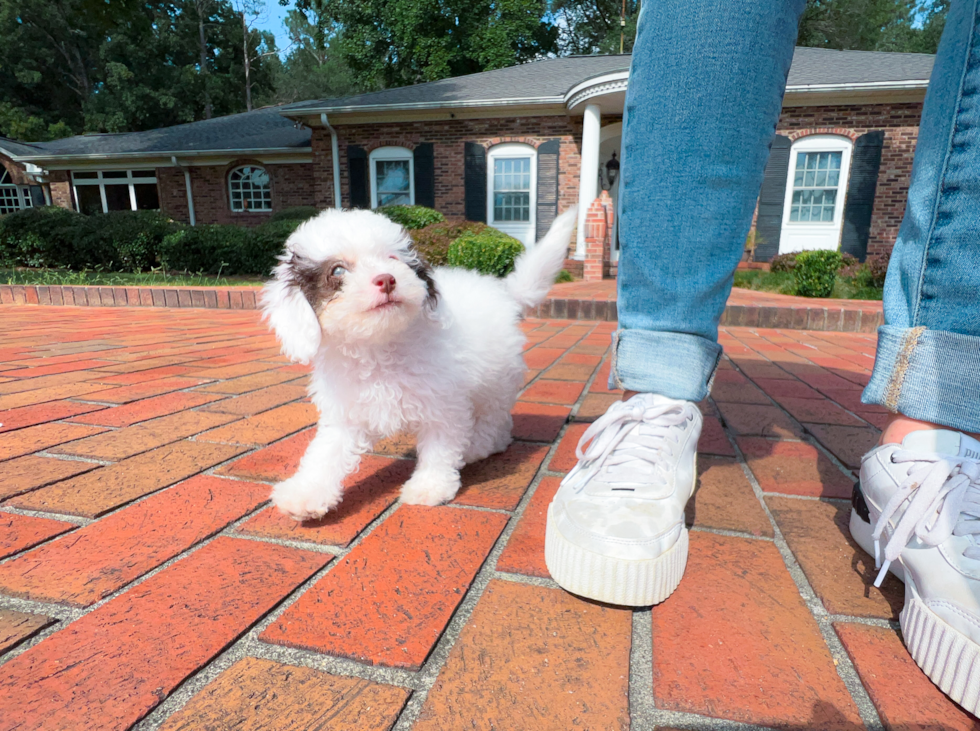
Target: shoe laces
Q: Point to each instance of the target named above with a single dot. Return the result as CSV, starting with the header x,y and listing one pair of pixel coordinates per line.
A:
x,y
944,500
631,435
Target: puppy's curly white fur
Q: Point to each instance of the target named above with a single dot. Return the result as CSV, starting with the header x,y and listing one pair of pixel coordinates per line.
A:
x,y
395,346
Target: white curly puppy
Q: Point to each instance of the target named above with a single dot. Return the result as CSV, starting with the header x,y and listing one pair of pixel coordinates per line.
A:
x,y
396,345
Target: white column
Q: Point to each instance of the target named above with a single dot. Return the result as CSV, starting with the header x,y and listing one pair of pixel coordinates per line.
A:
x,y
588,184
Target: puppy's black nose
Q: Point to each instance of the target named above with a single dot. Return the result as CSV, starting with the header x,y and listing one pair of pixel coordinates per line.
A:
x,y
384,282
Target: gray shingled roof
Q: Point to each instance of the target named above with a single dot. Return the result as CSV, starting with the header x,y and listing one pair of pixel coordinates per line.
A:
x,y
824,66
551,79
547,80
260,129
17,148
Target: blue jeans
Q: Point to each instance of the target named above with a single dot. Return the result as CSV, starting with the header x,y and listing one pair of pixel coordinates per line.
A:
x,y
705,92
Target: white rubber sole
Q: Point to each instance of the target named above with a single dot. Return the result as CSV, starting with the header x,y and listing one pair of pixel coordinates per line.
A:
x,y
612,580
949,658
861,533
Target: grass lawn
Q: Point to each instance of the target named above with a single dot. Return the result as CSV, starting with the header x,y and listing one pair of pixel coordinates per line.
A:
x,y
121,279
784,283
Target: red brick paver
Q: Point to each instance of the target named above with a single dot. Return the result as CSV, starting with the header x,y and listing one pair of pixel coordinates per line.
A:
x,y
160,428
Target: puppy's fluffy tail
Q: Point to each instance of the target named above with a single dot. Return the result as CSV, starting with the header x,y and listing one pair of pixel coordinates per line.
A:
x,y
535,270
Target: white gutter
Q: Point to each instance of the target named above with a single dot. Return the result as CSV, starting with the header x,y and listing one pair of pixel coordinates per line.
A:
x,y
861,86
414,106
95,157
187,185
335,158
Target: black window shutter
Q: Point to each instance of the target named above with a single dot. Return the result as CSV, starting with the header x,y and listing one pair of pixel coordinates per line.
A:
x,y
425,175
861,188
769,221
475,182
547,209
357,167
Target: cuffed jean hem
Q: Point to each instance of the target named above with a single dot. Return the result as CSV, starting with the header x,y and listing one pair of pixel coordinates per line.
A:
x,y
676,365
930,375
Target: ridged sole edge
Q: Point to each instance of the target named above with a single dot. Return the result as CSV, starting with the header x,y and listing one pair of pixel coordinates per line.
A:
x,y
612,580
949,658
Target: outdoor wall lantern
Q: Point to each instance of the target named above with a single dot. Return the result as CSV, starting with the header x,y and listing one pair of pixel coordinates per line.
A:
x,y
612,171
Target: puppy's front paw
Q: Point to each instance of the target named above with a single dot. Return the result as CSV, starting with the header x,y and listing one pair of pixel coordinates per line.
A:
x,y
301,500
431,487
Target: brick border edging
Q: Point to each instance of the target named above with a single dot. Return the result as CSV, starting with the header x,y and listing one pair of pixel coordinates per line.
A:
x,y
213,298
795,317
790,317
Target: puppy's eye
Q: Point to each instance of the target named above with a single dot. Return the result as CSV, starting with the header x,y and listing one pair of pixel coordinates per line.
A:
x,y
338,271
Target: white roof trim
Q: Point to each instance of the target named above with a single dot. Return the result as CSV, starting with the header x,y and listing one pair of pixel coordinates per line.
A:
x,y
95,157
596,86
860,86
413,106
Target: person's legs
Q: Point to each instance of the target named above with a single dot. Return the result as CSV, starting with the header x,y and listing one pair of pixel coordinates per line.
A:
x,y
705,92
917,507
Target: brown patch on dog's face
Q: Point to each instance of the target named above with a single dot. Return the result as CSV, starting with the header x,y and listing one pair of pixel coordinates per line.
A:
x,y
423,271
317,281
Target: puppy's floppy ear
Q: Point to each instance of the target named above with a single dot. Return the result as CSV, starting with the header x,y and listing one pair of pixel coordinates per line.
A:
x,y
289,312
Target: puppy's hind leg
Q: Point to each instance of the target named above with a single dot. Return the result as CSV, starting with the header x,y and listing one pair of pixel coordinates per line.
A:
x,y
436,478
491,434
317,486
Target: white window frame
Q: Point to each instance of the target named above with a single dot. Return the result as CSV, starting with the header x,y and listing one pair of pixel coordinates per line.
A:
x,y
391,153
523,230
22,192
231,199
130,180
805,235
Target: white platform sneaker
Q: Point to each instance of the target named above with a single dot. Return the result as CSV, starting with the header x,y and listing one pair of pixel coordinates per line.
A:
x,y
917,512
616,529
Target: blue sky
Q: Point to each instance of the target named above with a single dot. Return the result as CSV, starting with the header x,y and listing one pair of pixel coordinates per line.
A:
x,y
273,20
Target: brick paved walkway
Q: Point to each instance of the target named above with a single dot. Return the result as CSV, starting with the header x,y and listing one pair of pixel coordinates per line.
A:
x,y
143,580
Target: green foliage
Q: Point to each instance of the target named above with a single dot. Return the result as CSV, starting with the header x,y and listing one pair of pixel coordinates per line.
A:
x,y
488,251
412,217
593,26
232,250
760,280
816,273
119,279
433,241
390,43
564,276
123,65
782,263
55,237
910,26
296,213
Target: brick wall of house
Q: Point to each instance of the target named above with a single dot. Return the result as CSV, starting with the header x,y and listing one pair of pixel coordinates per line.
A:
x,y
448,138
292,185
59,186
16,170
900,123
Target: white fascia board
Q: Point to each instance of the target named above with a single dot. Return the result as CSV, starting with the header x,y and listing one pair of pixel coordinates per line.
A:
x,y
420,106
906,85
60,162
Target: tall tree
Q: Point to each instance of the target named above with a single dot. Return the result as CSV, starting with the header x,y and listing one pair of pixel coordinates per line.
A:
x,y
313,69
596,26
911,26
397,42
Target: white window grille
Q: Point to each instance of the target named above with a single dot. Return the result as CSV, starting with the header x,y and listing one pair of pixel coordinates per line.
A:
x,y
250,189
392,177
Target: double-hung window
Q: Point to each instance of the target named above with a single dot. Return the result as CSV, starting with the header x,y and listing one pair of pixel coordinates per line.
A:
x,y
392,177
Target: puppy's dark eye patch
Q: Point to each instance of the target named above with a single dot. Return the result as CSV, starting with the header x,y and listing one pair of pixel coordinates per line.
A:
x,y
319,282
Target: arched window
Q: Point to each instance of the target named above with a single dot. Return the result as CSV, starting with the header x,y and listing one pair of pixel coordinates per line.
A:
x,y
392,177
14,197
512,185
250,189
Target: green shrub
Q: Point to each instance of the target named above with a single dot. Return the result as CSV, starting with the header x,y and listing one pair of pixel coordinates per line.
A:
x,y
412,217
41,237
489,251
564,276
782,263
230,250
433,241
816,272
296,213
127,241
877,265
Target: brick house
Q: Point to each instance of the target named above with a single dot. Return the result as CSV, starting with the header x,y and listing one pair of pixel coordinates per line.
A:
x,y
511,147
